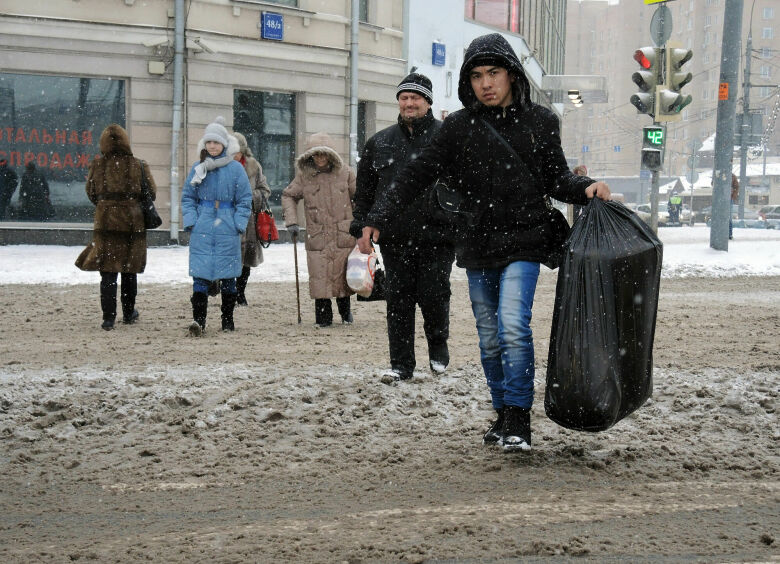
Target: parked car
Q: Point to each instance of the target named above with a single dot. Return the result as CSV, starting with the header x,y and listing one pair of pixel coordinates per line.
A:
x,y
769,212
663,213
749,214
643,215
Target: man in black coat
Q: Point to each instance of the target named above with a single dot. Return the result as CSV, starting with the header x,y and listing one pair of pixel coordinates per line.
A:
x,y
502,153
8,180
417,253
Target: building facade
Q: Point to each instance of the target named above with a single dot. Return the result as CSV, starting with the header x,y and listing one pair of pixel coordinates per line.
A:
x,y
70,67
439,31
276,70
601,39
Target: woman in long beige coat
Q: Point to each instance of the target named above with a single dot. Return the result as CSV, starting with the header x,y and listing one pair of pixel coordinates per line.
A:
x,y
251,250
118,242
326,186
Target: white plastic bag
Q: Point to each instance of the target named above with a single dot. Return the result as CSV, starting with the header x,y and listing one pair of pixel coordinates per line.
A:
x,y
360,272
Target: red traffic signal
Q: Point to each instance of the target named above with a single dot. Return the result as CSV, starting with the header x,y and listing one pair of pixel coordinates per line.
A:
x,y
645,56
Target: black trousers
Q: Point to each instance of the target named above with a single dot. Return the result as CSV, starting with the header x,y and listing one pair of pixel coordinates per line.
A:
x,y
323,310
417,276
108,294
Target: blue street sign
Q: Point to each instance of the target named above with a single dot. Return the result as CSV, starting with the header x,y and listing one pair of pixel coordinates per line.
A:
x,y
585,148
273,26
439,52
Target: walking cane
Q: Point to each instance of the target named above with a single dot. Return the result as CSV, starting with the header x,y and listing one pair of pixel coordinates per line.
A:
x,y
297,286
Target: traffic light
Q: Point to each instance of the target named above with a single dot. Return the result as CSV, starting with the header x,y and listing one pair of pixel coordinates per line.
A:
x,y
653,138
670,102
646,78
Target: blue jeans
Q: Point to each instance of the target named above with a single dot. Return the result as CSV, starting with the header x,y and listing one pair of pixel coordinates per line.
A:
x,y
501,299
227,285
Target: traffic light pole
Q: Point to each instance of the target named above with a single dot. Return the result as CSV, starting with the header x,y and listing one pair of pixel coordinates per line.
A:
x,y
724,132
654,189
747,128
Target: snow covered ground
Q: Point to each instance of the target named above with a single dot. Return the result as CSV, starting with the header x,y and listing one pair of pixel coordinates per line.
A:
x,y
753,252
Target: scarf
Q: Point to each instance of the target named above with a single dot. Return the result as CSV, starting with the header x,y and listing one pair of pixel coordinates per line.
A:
x,y
203,168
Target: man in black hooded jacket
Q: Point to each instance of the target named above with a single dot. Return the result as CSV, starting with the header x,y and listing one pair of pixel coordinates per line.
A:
x,y
502,153
417,253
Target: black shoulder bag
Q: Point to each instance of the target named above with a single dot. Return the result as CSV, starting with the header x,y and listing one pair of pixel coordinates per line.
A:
x,y
152,219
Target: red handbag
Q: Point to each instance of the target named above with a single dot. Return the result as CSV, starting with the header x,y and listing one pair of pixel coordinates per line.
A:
x,y
266,227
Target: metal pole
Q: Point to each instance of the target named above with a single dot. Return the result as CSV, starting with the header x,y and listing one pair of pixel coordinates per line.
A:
x,y
747,128
353,83
654,200
724,132
178,97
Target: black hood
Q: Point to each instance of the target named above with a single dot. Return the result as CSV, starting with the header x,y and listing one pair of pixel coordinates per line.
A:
x,y
492,49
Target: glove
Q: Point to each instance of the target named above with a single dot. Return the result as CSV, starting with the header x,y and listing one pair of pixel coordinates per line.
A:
x,y
293,229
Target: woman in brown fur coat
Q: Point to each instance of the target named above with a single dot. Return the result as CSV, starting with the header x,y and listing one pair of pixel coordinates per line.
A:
x,y
119,238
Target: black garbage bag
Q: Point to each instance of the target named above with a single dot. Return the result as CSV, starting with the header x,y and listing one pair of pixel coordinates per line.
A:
x,y
600,363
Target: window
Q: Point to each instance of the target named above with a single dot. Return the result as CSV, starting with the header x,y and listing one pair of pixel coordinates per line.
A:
x,y
766,53
363,11
766,33
55,122
267,120
766,72
769,13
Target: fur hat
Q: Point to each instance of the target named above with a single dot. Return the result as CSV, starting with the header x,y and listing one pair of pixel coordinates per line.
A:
x,y
417,83
216,131
243,147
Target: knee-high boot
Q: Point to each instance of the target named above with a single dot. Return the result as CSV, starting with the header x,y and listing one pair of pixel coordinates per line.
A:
x,y
241,286
228,305
108,299
128,294
200,303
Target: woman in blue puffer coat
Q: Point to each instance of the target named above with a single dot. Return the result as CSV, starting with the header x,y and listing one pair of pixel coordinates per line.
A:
x,y
216,202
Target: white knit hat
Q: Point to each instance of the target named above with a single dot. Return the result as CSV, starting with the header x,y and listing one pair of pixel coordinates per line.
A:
x,y
216,131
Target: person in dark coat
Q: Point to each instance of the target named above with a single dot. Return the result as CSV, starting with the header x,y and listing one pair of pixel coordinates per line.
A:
x,y
119,237
417,253
34,199
8,180
505,176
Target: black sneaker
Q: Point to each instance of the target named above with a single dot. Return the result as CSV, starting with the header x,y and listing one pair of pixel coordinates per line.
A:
x,y
347,319
517,429
397,374
493,435
107,324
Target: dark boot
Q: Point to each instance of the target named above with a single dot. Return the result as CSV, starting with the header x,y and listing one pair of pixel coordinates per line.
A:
x,y
344,310
200,303
228,304
108,299
129,292
517,429
241,286
323,312
494,435
439,357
